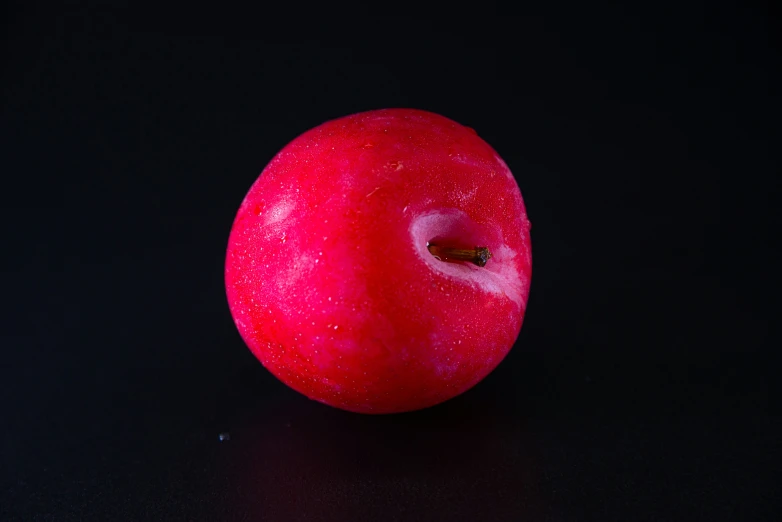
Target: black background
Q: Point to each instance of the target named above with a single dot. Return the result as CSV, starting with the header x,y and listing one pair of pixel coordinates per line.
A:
x,y
644,145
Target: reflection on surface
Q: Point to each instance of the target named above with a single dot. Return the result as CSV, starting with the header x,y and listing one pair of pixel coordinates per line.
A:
x,y
294,459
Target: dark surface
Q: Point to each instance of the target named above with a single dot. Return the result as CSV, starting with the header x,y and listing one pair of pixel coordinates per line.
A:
x,y
646,149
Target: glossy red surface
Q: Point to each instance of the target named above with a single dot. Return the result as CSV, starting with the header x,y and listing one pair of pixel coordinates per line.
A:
x,y
328,276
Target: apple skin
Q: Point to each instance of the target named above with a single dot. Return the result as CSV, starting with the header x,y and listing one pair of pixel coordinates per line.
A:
x,y
329,279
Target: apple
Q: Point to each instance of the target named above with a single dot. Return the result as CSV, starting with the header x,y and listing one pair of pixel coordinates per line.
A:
x,y
381,262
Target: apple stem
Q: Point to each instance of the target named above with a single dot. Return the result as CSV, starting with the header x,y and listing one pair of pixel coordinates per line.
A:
x,y
477,255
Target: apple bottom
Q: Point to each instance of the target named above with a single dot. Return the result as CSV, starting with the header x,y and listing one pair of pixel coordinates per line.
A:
x,y
418,390
367,369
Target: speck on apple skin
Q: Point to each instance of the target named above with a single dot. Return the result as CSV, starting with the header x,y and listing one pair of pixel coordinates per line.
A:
x,y
329,274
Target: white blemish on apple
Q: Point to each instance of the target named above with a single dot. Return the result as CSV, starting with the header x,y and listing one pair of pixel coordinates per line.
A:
x,y
278,212
298,267
447,368
473,162
468,195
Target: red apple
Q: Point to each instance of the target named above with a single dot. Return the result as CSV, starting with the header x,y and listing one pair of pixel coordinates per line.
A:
x,y
381,262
